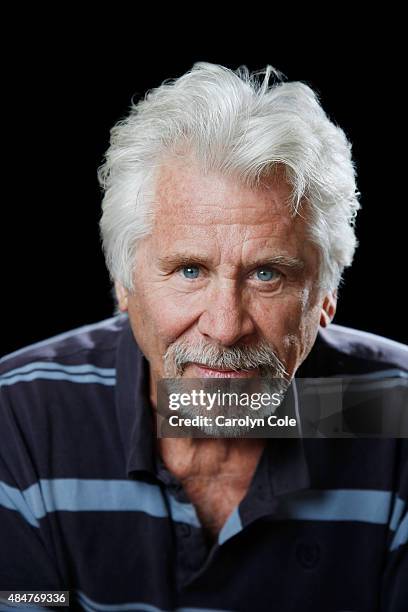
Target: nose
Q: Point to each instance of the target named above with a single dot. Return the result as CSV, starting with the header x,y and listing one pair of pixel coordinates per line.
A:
x,y
225,319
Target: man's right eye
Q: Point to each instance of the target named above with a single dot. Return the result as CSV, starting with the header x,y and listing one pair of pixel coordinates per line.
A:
x,y
190,272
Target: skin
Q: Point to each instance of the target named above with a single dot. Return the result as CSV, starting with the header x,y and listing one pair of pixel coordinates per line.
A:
x,y
226,233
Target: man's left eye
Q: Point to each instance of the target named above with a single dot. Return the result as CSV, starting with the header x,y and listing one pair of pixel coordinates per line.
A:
x,y
190,271
266,274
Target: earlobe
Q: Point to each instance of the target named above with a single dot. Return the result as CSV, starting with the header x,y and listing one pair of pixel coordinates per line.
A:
x,y
328,309
122,296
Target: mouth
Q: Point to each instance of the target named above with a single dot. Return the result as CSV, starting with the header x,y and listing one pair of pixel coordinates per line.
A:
x,y
198,370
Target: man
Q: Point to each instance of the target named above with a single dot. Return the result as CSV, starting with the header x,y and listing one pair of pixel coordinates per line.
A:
x,y
228,219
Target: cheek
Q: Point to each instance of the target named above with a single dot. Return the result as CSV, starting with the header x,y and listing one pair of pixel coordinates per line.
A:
x,y
291,323
161,318
172,322
302,332
283,314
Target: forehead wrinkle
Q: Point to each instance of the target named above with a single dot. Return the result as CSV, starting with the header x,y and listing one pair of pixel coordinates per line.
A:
x,y
176,189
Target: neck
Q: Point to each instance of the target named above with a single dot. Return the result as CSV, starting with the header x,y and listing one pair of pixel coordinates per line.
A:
x,y
192,457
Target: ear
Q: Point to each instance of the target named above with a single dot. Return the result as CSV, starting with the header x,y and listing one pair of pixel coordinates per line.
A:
x,y
122,296
328,308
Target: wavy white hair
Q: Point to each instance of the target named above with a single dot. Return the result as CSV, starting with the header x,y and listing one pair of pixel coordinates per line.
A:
x,y
237,124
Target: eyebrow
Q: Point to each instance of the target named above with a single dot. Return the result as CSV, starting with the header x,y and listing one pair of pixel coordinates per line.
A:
x,y
180,259
284,261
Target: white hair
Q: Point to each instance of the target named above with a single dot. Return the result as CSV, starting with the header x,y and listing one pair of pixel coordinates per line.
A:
x,y
234,124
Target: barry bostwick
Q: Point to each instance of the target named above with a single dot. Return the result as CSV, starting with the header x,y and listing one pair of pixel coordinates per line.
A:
x,y
228,220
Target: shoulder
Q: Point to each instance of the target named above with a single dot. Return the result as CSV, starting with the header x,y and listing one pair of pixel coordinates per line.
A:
x,y
89,345
370,345
52,395
354,351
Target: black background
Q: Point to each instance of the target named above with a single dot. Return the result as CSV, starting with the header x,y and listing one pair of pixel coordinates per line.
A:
x,y
62,99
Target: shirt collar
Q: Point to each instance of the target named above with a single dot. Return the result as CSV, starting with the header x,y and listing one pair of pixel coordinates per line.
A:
x,y
134,411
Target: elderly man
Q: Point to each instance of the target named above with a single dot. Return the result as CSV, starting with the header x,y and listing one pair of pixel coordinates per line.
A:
x,y
227,222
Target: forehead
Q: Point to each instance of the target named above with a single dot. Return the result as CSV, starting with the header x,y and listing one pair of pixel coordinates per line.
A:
x,y
182,189
204,209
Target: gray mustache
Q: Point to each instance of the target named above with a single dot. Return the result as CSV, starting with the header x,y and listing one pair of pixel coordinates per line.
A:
x,y
262,356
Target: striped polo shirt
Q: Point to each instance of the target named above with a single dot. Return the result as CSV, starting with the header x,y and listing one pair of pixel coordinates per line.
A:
x,y
87,505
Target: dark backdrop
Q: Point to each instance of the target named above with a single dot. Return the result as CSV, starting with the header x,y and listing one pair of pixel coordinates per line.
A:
x,y
61,105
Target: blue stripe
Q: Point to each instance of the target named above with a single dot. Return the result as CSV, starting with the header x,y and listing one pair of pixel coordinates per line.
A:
x,y
8,607
182,512
78,495
232,526
394,373
44,375
363,505
53,365
73,495
399,508
13,499
93,606
401,535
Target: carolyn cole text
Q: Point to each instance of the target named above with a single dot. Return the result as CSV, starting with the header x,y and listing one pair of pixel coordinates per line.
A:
x,y
207,400
223,421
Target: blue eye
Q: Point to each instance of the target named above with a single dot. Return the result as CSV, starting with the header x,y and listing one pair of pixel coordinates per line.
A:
x,y
265,274
190,271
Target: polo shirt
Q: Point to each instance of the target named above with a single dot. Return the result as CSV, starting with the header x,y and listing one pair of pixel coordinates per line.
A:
x,y
87,505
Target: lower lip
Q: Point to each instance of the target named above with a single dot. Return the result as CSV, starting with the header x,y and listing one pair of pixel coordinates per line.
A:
x,y
203,372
